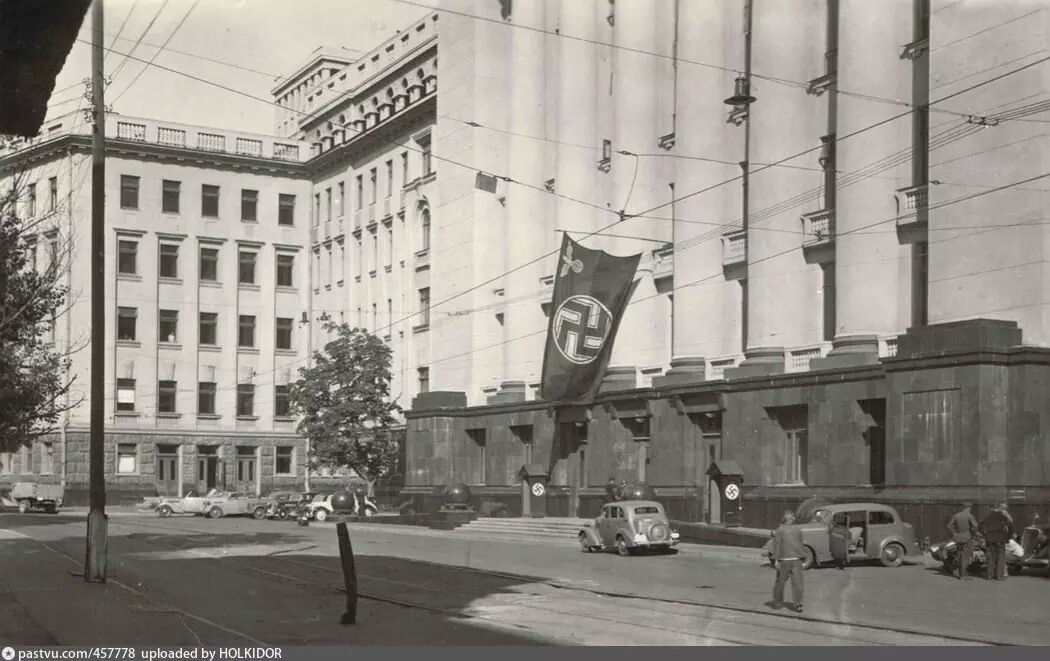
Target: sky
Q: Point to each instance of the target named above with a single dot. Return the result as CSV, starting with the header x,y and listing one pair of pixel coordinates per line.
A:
x,y
270,36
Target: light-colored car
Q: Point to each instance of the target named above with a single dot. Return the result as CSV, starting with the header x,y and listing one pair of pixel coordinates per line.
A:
x,y
321,508
233,503
876,532
191,503
629,526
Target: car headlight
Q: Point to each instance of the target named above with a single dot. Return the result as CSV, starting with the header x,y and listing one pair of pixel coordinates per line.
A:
x,y
674,534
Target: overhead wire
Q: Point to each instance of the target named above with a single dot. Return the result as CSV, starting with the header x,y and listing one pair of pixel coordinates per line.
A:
x,y
158,51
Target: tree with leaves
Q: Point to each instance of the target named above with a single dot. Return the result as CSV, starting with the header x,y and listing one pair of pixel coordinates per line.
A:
x,y
344,401
36,380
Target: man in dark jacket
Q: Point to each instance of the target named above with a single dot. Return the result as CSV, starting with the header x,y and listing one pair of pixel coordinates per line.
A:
x,y
963,527
998,528
788,552
610,490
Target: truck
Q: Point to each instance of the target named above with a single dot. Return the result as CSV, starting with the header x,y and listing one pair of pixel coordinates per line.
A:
x,y
33,496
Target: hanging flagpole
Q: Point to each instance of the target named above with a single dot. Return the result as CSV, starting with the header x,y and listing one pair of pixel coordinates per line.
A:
x,y
95,554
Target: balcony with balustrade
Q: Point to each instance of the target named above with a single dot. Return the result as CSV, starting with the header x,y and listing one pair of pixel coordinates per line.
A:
x,y
912,214
182,136
734,248
818,236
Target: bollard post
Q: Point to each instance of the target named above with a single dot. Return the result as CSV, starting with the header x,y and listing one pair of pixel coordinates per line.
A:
x,y
346,557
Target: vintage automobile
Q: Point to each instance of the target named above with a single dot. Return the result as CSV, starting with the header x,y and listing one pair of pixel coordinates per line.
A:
x,y
191,503
629,526
876,532
233,503
321,508
31,496
280,502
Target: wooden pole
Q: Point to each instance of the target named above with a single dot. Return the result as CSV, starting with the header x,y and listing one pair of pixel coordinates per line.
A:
x,y
346,557
95,561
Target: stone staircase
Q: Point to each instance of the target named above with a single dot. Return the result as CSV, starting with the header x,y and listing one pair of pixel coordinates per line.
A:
x,y
563,529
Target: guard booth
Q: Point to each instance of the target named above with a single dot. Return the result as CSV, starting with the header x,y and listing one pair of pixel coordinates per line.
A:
x,y
533,490
728,479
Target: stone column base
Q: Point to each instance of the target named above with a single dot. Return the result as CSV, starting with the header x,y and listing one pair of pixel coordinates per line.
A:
x,y
621,377
684,369
758,361
849,351
509,392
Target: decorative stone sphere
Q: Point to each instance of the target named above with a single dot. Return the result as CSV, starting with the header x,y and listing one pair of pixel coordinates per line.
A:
x,y
457,494
343,501
640,491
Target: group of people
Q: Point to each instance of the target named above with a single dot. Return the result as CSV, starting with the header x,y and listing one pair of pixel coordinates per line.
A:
x,y
615,491
998,531
997,528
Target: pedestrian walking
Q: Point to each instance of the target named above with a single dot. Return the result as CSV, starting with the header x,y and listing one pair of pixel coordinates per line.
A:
x,y
610,490
963,527
998,528
788,551
839,539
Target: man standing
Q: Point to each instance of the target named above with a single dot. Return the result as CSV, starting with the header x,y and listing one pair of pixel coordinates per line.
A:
x,y
963,527
610,490
998,528
788,551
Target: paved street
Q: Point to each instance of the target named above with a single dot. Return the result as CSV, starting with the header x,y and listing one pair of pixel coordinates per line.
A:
x,y
240,580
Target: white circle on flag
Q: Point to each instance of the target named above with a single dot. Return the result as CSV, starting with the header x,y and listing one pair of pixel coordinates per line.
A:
x,y
537,489
732,491
581,327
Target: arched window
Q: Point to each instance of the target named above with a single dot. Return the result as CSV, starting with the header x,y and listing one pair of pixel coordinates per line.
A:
x,y
424,226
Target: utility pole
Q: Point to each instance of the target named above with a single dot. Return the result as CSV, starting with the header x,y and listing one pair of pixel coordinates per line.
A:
x,y
96,552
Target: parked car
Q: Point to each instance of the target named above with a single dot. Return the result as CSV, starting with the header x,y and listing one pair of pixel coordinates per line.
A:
x,y
191,503
876,533
323,508
320,507
279,501
30,496
629,526
233,503
1034,542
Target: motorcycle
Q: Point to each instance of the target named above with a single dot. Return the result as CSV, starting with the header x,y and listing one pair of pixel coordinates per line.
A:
x,y
947,553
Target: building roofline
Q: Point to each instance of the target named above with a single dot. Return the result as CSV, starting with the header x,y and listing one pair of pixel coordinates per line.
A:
x,y
320,54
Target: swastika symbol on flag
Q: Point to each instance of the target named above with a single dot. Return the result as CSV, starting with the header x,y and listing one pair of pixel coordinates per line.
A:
x,y
581,326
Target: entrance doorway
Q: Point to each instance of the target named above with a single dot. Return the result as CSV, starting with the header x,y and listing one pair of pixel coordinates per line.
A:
x,y
713,500
167,470
244,477
207,468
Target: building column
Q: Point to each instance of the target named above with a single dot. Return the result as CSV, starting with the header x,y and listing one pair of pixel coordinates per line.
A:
x,y
783,291
642,113
527,223
870,298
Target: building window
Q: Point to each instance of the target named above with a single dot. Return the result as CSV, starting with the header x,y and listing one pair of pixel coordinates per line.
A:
x,y
170,191
125,394
246,331
209,322
210,264
127,251
5,462
424,306
47,458
285,209
52,253
424,147
246,267
389,257
317,268
389,179
424,379
424,221
31,205
127,459
360,257
245,399
283,463
404,168
360,192
209,201
284,333
285,269
342,262
126,320
389,315
169,325
249,205
129,192
793,420
328,204
372,190
373,262
375,318
282,407
169,260
328,259
52,202
166,396
206,397
341,200
317,209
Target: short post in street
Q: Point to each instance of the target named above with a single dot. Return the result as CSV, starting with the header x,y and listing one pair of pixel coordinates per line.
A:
x,y
346,557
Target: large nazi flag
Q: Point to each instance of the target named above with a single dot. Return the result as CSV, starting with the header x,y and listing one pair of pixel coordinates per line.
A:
x,y
591,290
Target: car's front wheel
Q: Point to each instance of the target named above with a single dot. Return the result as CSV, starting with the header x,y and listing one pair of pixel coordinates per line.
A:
x,y
163,511
215,512
622,548
259,513
892,555
370,511
810,560
23,506
321,515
